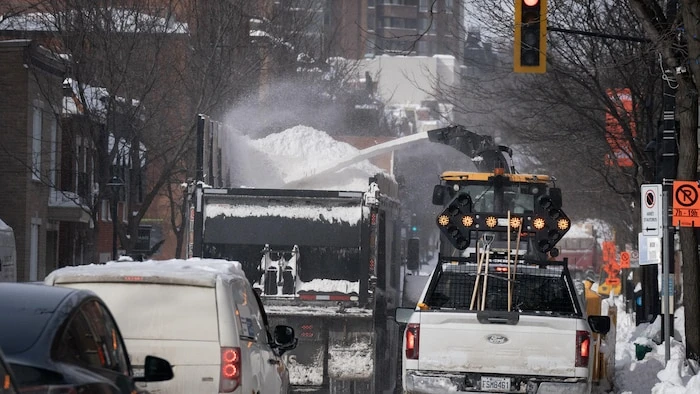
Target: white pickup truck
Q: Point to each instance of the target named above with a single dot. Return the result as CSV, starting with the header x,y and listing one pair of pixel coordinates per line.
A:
x,y
471,332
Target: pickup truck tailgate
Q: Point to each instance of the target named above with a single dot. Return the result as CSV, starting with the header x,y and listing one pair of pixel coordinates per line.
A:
x,y
544,345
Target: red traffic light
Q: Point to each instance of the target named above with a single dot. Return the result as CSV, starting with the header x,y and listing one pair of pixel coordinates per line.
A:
x,y
531,3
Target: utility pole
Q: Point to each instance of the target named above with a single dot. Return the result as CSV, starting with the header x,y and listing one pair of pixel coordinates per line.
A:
x,y
197,197
669,160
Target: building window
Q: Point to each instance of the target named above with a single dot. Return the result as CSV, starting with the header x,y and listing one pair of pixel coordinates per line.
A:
x,y
423,24
422,48
54,148
424,5
37,125
105,211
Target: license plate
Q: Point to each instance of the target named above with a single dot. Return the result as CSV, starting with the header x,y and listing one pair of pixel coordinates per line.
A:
x,y
495,383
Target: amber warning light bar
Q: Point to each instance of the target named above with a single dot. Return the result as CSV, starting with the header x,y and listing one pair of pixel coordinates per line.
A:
x,y
547,223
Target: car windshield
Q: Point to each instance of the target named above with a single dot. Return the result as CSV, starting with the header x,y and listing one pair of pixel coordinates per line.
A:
x,y
517,198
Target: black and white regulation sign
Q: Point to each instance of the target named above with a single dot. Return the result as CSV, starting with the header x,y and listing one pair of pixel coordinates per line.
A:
x,y
652,221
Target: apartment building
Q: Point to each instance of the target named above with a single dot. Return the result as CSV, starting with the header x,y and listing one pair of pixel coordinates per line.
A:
x,y
415,27
354,29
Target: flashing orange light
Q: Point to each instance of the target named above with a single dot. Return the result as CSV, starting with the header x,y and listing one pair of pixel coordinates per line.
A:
x,y
538,223
498,171
467,221
515,222
444,220
563,224
491,221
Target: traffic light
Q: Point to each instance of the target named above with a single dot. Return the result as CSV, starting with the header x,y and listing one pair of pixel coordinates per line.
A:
x,y
530,46
455,221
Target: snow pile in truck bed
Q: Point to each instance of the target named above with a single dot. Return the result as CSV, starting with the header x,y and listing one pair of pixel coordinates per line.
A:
x,y
329,286
350,214
299,150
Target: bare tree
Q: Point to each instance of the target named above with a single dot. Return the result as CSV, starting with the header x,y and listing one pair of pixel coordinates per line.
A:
x,y
675,29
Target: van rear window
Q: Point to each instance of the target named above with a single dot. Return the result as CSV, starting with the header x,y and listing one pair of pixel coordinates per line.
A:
x,y
160,311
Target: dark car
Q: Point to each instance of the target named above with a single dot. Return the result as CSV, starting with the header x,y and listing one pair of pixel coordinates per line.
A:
x,y
62,340
7,379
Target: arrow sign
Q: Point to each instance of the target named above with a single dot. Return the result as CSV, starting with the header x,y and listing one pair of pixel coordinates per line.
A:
x,y
652,221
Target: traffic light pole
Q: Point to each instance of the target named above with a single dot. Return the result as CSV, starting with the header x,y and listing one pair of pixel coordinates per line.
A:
x,y
597,34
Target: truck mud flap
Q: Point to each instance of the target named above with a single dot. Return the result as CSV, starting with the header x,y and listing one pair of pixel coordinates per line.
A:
x,y
350,353
307,362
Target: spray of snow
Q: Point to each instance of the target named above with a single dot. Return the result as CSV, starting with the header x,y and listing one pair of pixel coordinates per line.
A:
x,y
298,151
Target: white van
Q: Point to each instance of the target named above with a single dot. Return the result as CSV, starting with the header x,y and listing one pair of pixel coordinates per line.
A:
x,y
8,254
202,315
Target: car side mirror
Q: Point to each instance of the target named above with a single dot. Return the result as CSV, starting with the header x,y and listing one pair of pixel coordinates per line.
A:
x,y
599,324
555,195
284,338
155,369
439,194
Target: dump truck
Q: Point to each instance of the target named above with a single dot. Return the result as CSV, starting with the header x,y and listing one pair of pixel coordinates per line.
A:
x,y
327,263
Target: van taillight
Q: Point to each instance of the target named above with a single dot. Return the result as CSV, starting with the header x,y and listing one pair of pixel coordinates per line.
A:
x,y
412,339
230,377
583,348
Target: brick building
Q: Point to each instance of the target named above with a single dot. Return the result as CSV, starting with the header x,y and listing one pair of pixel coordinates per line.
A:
x,y
31,81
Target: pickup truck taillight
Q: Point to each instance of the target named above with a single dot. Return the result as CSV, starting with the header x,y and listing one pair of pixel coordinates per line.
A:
x,y
583,348
412,339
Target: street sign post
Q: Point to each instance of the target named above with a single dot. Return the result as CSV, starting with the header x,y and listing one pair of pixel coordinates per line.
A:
x,y
649,250
686,204
652,219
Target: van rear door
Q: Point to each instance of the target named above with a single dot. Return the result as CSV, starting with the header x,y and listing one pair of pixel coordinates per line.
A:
x,y
182,329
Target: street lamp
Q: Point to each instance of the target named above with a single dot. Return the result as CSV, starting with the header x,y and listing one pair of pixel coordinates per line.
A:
x,y
114,184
